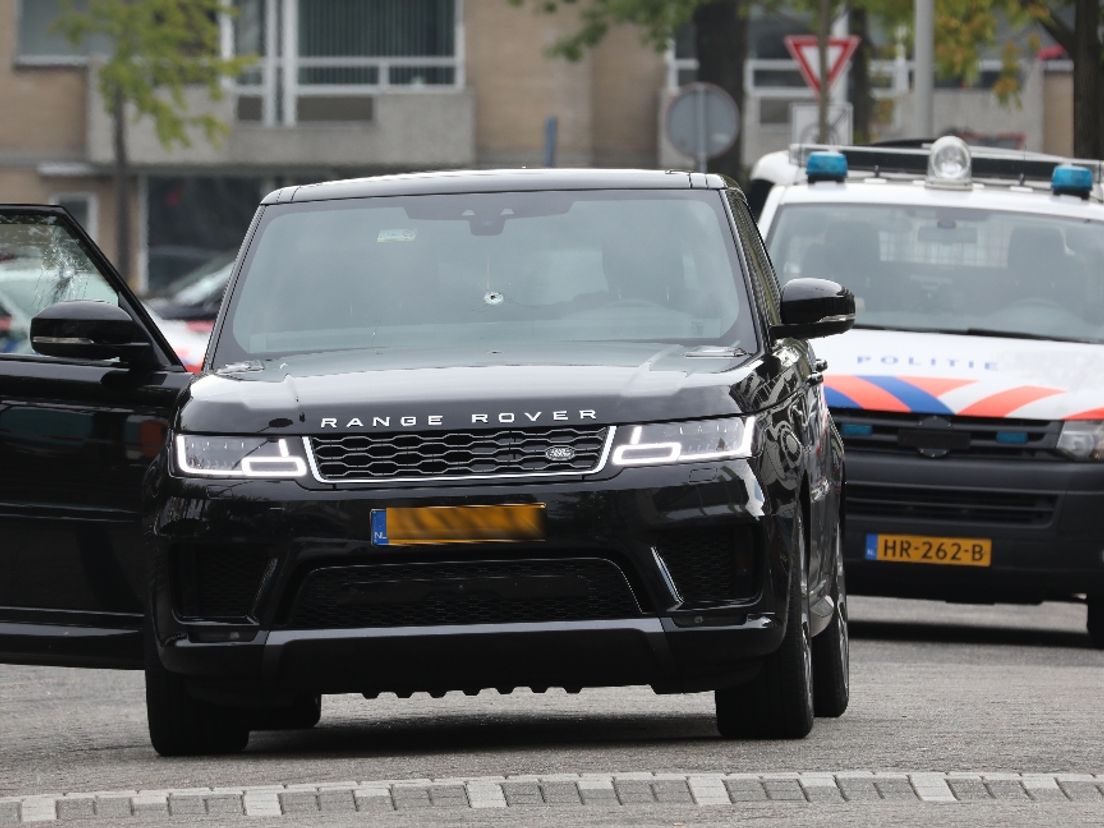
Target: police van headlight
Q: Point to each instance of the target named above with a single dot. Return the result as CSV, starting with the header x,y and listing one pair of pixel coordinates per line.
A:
x,y
245,457
653,444
1082,439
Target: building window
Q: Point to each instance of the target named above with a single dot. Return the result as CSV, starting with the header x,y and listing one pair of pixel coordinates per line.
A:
x,y
38,43
84,207
323,61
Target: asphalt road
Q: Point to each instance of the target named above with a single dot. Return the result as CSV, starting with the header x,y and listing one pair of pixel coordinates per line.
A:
x,y
935,688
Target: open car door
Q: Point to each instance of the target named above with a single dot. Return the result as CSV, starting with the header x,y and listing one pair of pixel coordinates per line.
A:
x,y
88,387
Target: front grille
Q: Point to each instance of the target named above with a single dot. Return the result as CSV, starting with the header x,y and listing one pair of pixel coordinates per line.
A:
x,y
482,592
710,566
457,454
937,436
951,505
219,581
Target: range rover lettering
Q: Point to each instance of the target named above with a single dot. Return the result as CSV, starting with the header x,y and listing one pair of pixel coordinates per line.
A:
x,y
453,432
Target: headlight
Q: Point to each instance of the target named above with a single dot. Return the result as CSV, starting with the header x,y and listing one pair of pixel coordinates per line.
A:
x,y
253,457
696,440
1082,439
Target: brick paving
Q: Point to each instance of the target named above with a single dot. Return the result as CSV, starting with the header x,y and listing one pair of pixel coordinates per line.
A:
x,y
699,790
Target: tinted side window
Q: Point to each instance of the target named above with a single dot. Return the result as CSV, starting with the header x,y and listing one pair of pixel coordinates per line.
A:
x,y
41,263
762,273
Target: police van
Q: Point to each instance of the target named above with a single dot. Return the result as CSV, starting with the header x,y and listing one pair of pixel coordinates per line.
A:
x,y
970,394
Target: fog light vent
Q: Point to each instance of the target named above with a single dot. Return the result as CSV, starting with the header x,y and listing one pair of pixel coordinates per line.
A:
x,y
711,566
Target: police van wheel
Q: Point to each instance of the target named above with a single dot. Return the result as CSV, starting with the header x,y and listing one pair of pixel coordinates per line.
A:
x,y
1096,621
778,703
180,725
832,650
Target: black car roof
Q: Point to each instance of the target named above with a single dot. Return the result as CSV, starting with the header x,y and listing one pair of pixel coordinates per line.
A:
x,y
492,181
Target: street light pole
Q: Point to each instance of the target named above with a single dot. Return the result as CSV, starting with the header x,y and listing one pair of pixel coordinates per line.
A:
x,y
923,68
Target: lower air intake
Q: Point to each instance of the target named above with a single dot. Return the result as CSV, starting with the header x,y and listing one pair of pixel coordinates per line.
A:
x,y
483,592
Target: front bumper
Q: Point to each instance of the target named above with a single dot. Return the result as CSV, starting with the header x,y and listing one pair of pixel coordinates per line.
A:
x,y
1044,519
673,628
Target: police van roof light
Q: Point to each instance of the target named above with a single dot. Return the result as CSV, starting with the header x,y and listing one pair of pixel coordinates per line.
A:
x,y
1069,179
949,163
826,166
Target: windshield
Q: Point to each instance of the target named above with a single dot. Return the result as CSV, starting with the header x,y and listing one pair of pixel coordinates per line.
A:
x,y
488,270
951,269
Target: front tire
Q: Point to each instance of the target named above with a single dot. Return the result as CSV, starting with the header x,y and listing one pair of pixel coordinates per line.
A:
x,y
1095,621
778,703
832,651
180,725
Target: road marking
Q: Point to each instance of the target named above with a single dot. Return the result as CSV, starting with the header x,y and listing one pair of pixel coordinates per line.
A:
x,y
732,790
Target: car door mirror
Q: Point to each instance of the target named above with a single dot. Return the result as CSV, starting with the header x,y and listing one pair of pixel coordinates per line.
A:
x,y
90,330
812,308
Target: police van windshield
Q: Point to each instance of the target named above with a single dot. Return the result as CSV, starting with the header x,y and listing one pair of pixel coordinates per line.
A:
x,y
951,269
443,271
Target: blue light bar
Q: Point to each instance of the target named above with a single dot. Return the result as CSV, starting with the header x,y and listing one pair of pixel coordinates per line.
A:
x,y
1069,179
827,166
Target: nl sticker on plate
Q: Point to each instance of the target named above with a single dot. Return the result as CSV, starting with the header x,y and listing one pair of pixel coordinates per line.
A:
x,y
396,236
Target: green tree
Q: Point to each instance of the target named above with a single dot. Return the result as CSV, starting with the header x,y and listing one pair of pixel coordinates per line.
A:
x,y
964,28
157,48
720,31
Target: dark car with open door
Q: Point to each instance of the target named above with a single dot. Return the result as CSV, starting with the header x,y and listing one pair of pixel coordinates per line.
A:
x,y
453,432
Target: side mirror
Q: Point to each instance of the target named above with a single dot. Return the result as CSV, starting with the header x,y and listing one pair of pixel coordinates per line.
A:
x,y
813,308
90,330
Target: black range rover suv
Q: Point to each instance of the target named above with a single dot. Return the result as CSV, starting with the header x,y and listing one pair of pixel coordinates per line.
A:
x,y
454,431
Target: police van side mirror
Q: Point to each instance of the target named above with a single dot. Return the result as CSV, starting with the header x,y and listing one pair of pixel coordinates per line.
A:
x,y
813,308
90,330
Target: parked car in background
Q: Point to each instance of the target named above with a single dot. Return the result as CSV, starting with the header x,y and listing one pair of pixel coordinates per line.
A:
x,y
189,344
195,297
169,262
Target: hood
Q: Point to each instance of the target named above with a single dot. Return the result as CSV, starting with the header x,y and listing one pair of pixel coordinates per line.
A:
x,y
406,389
972,376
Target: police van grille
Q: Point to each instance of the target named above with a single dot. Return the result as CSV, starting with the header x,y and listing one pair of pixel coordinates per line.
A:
x,y
951,504
947,436
457,454
475,592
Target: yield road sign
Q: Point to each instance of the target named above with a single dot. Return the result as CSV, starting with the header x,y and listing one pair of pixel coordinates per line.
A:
x,y
803,49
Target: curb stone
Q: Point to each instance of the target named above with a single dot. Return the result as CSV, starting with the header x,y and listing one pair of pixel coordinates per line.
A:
x,y
701,790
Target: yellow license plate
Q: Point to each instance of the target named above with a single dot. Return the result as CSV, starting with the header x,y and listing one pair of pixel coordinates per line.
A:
x,y
924,549
415,525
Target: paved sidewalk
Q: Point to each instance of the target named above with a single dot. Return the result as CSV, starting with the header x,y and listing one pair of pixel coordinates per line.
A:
x,y
696,790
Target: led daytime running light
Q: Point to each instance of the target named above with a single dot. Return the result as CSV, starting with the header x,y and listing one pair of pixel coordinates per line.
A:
x,y
250,464
663,443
